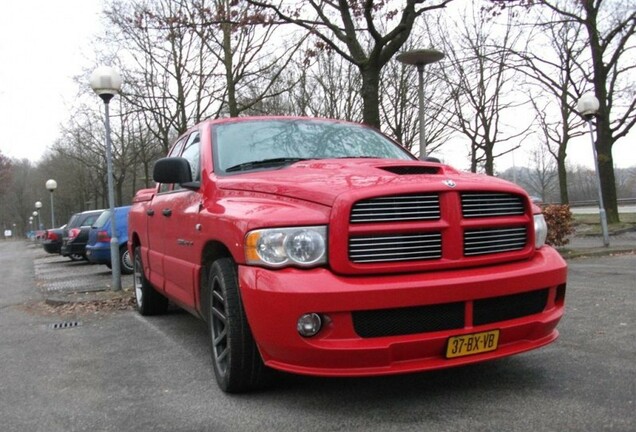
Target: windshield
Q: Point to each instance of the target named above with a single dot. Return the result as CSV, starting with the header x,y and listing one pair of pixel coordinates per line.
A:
x,y
267,144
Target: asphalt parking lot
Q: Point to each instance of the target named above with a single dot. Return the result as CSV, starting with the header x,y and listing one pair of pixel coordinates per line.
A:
x,y
117,371
58,276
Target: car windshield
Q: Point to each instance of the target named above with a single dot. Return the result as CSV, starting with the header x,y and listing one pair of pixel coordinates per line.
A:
x,y
267,144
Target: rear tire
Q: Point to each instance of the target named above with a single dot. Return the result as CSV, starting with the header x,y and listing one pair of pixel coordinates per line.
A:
x,y
126,265
76,257
148,300
238,366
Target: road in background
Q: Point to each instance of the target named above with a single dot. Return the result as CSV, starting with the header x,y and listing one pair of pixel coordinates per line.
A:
x,y
119,371
594,209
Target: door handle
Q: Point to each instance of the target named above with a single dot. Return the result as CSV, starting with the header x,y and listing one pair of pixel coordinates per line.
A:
x,y
150,212
166,212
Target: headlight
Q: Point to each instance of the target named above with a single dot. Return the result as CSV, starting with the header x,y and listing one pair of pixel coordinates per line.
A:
x,y
540,230
279,247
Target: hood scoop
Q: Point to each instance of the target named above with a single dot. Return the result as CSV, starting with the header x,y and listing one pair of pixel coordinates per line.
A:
x,y
412,169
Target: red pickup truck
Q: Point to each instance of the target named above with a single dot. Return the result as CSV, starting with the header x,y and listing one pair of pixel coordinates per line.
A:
x,y
322,247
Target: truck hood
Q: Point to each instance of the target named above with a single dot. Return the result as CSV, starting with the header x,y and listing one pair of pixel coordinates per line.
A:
x,y
322,181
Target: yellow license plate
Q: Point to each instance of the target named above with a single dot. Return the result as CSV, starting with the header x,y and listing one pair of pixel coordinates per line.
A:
x,y
476,343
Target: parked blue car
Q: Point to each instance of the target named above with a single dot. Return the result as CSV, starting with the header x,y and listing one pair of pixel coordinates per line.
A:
x,y
98,246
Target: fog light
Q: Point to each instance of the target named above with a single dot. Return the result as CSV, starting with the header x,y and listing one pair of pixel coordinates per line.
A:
x,y
309,324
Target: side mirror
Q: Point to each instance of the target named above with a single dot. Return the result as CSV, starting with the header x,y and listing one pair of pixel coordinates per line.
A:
x,y
174,170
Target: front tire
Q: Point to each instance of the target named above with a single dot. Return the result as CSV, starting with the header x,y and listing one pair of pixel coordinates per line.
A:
x,y
238,366
149,301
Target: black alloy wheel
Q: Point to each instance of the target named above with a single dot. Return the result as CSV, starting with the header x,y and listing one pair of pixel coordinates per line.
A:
x,y
238,366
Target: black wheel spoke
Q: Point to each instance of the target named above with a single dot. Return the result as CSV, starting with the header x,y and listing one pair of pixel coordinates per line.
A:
x,y
219,315
220,337
218,296
222,355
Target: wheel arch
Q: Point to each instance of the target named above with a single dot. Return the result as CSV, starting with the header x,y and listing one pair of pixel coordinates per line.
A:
x,y
134,241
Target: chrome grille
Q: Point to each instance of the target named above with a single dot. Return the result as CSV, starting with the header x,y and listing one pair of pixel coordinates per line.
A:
x,y
494,240
396,208
396,247
491,204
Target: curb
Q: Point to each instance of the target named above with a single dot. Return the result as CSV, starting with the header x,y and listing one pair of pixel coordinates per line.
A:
x,y
597,252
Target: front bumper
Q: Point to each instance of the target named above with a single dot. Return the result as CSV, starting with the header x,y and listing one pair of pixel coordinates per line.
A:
x,y
274,300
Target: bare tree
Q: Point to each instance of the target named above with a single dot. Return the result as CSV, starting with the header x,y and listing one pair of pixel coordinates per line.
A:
x,y
551,62
365,33
18,200
482,83
582,184
400,102
5,173
543,173
318,84
610,26
252,52
166,65
82,141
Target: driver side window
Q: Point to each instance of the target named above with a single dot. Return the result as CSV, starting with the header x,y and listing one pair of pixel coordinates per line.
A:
x,y
192,152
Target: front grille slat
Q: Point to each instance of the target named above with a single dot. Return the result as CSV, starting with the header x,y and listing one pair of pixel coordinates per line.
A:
x,y
391,248
479,204
494,240
396,208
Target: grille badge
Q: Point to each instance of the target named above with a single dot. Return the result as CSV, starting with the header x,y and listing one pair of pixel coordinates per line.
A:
x,y
449,183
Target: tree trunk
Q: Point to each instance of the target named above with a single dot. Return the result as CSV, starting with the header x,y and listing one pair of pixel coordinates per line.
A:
x,y
226,28
371,96
604,138
563,179
603,145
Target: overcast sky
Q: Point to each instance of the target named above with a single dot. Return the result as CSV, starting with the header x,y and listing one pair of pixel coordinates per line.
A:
x,y
44,43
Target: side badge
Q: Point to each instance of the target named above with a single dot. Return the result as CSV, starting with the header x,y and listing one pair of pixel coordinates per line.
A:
x,y
450,183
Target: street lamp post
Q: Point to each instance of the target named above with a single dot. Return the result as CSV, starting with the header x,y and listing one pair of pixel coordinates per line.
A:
x,y
588,106
38,206
420,58
106,82
51,185
36,219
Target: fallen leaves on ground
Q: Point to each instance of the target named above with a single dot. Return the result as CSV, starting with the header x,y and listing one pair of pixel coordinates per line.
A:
x,y
83,306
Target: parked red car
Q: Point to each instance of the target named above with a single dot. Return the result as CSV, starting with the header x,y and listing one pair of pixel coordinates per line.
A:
x,y
322,247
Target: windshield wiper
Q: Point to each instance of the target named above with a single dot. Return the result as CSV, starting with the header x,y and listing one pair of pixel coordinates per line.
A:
x,y
264,163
